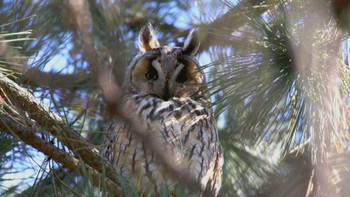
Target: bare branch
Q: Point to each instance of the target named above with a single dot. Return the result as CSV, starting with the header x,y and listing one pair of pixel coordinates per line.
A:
x,y
55,80
79,12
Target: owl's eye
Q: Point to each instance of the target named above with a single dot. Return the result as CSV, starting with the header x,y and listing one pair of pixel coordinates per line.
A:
x,y
152,74
181,77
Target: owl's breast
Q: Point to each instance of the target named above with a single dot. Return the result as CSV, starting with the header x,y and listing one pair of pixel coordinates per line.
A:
x,y
177,121
184,128
181,124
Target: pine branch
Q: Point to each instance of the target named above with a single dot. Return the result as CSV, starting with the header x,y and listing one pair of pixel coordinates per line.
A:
x,y
230,22
11,126
70,138
56,126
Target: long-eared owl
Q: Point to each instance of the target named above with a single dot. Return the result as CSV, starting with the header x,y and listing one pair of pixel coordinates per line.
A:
x,y
166,110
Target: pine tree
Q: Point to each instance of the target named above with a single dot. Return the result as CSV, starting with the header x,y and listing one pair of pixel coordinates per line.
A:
x,y
278,73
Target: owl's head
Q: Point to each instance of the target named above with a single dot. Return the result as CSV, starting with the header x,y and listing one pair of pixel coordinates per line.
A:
x,y
164,71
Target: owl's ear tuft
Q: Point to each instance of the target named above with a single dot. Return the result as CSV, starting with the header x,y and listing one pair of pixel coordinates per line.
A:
x,y
191,43
147,38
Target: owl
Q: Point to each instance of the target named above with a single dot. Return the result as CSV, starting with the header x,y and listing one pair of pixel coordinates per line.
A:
x,y
168,132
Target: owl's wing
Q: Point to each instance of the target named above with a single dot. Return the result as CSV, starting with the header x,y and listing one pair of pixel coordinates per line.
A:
x,y
133,157
200,143
112,133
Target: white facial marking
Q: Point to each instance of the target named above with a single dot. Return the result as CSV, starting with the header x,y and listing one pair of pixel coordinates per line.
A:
x,y
178,70
157,66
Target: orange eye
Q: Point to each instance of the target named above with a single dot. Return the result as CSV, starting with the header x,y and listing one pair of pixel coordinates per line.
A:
x,y
152,74
181,77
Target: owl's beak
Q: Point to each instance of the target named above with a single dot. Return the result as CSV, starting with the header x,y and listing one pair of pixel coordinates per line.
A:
x,y
166,94
162,93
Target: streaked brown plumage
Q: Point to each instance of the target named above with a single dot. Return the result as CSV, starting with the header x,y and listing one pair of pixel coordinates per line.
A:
x,y
165,100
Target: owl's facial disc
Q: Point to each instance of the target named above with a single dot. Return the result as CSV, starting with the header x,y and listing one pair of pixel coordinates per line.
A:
x,y
160,85
176,79
166,73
